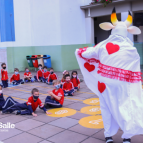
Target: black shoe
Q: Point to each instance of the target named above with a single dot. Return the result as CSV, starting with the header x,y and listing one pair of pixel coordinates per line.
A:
x,y
18,112
47,106
126,140
109,140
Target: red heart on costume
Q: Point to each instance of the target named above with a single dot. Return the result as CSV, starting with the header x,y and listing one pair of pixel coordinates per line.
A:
x,y
89,67
111,48
101,87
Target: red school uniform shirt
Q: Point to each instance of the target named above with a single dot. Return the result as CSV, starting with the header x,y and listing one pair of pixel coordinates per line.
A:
x,y
27,73
68,86
4,75
33,104
46,74
15,77
75,82
52,77
39,73
59,93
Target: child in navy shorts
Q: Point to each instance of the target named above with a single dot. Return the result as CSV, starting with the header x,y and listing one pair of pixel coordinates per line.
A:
x,y
15,79
52,76
29,107
4,75
39,75
45,74
56,98
68,86
28,76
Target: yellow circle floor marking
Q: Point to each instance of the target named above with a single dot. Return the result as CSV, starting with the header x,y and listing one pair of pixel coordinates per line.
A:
x,y
92,101
61,112
94,122
92,110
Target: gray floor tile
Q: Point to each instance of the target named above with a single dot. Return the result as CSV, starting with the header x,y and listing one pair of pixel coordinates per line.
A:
x,y
28,124
12,119
82,130
78,115
23,138
92,140
77,106
45,141
45,131
67,137
9,133
64,122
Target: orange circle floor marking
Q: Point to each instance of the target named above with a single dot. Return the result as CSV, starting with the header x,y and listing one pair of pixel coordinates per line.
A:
x,y
61,112
95,122
92,101
92,110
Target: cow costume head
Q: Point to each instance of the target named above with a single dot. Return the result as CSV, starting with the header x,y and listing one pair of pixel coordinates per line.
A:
x,y
119,27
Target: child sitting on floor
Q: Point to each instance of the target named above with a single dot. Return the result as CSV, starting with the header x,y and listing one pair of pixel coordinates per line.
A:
x,y
15,79
39,75
63,78
57,96
45,74
52,76
29,107
4,75
5,103
75,80
28,76
68,86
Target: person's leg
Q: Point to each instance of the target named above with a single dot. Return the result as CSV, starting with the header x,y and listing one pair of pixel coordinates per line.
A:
x,y
26,80
17,106
9,102
40,78
43,79
75,89
25,112
6,83
65,93
110,125
21,81
3,83
35,77
52,103
50,82
15,82
70,93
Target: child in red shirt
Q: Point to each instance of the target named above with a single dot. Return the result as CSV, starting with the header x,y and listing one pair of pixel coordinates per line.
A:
x,y
75,80
68,86
28,76
29,107
39,75
15,79
63,78
56,99
45,75
52,76
4,75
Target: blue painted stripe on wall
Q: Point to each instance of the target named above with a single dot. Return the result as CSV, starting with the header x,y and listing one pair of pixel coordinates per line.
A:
x,y
7,30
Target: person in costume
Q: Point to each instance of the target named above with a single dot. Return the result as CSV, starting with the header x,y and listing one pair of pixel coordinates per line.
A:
x,y
112,71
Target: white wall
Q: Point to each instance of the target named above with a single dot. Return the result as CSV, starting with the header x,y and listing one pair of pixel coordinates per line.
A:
x,y
22,25
48,22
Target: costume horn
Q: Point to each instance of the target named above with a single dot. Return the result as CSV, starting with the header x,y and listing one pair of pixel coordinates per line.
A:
x,y
129,20
114,19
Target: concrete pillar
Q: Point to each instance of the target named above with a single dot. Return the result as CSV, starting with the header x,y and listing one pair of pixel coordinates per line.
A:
x,y
89,26
124,16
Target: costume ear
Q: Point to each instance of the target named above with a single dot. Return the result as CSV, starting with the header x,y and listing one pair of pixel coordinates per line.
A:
x,y
134,30
106,26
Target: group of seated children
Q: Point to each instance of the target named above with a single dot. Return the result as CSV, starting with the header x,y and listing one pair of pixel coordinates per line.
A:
x,y
55,100
69,84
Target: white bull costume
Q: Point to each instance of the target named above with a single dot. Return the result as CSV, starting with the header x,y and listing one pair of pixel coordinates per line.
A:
x,y
111,70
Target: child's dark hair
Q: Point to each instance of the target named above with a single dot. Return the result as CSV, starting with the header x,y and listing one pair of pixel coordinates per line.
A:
x,y
72,75
3,64
16,69
26,68
34,90
45,67
39,65
51,69
64,75
67,75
